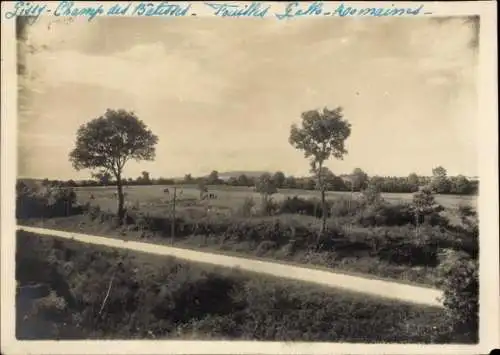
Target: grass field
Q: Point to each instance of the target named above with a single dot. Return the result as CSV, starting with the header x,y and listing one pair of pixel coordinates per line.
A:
x,y
152,199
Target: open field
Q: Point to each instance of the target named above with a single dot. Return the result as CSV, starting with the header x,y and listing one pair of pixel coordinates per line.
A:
x,y
62,288
152,199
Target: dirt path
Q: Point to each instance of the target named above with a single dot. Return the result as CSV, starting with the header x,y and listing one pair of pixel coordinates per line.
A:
x,y
386,289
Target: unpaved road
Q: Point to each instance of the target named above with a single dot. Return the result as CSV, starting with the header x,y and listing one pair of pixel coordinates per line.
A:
x,y
386,289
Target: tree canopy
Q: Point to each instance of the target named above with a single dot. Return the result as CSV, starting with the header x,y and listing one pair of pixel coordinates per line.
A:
x,y
108,142
111,140
322,134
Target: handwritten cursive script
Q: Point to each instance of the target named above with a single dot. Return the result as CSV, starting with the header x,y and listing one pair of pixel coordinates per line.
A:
x,y
161,9
26,8
281,11
255,9
69,9
343,10
295,9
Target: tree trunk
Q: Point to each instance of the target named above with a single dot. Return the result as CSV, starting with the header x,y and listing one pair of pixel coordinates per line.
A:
x,y
121,199
323,200
172,225
417,223
323,210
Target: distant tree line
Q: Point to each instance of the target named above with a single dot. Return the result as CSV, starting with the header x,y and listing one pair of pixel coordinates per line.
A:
x,y
358,180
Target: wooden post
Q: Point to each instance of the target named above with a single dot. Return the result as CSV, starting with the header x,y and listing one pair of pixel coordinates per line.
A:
x,y
172,225
352,196
349,226
417,222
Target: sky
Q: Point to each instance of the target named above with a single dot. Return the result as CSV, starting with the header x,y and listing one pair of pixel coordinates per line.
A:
x,y
222,93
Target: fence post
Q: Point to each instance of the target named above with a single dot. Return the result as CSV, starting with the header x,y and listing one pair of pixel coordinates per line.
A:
x,y
172,225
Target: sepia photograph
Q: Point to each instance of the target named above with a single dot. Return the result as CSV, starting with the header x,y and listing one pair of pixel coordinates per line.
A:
x,y
248,179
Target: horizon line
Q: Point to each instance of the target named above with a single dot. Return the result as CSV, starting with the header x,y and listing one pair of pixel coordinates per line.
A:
x,y
243,173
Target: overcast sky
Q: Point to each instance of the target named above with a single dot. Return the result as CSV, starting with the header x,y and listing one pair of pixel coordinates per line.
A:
x,y
221,94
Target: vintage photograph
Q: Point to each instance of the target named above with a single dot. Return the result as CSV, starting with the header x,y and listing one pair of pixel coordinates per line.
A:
x,y
205,178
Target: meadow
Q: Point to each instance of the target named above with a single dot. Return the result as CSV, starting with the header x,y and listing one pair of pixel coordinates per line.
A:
x,y
151,198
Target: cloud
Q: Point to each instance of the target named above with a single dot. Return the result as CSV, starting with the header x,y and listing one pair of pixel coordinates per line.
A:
x,y
210,87
44,140
157,75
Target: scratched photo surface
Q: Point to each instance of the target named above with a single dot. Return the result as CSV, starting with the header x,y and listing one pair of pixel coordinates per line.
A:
x,y
195,178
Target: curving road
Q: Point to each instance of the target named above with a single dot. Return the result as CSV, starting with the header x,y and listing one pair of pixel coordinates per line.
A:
x,y
380,288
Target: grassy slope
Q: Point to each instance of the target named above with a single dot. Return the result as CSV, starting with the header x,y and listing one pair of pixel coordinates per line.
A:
x,y
158,297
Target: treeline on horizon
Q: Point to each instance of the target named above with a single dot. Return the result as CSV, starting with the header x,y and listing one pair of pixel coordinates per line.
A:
x,y
440,182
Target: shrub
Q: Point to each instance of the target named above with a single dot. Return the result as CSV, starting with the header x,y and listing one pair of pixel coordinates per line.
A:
x,y
247,207
265,247
371,195
344,207
298,205
269,207
384,214
93,211
460,283
45,202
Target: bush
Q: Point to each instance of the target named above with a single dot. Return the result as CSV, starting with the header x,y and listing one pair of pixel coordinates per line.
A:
x,y
265,247
397,245
93,211
460,283
45,202
269,207
384,214
344,207
308,207
247,207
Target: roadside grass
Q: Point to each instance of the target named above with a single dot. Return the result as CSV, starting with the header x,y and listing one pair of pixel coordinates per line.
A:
x,y
163,298
351,260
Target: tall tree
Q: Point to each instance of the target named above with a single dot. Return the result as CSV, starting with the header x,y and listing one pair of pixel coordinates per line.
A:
x,y
413,181
266,186
243,180
109,142
291,182
322,134
359,179
440,182
213,178
460,185
279,179
144,178
424,205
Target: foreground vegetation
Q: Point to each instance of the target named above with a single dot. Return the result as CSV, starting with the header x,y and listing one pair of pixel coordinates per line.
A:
x,y
366,235
67,290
